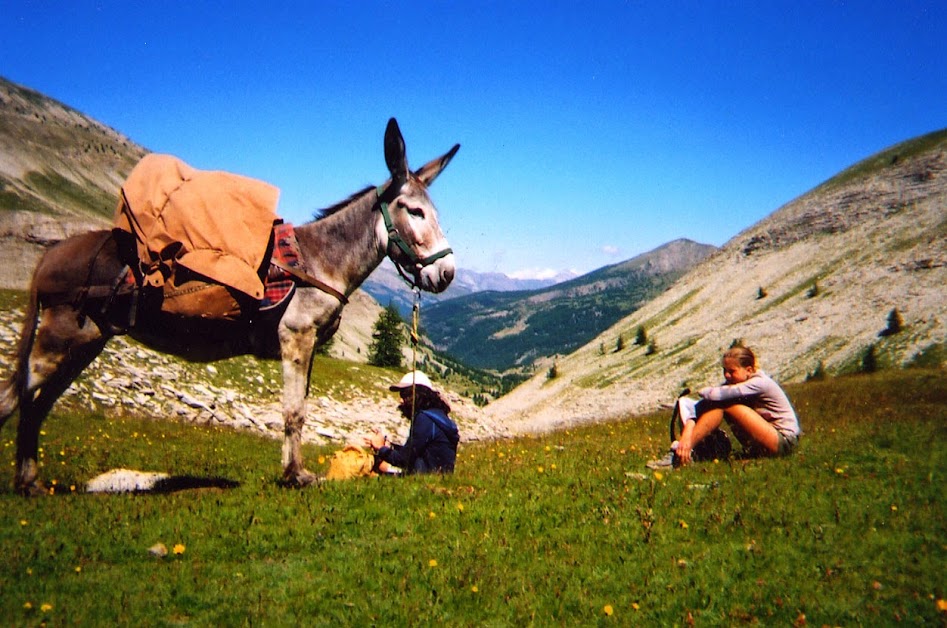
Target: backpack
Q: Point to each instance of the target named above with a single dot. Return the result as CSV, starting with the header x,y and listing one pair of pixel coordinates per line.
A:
x,y
716,446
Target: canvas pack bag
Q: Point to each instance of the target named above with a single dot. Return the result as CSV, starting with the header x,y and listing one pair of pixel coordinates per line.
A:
x,y
350,462
203,238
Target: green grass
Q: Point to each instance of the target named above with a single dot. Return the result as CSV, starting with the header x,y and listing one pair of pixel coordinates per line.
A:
x,y
70,194
542,530
886,158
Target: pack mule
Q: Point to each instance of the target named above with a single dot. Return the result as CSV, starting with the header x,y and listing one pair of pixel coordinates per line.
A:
x,y
61,336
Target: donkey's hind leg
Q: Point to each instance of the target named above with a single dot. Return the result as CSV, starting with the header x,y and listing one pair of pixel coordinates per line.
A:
x,y
62,349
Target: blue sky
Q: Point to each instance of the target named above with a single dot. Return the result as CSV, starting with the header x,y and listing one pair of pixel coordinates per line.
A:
x,y
590,132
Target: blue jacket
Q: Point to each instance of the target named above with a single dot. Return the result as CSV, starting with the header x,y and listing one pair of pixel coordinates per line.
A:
x,y
431,446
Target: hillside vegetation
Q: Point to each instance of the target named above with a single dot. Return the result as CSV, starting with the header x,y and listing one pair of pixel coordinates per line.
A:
x,y
562,529
507,330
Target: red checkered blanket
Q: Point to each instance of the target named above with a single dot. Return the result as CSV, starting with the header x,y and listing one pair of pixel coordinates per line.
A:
x,y
279,284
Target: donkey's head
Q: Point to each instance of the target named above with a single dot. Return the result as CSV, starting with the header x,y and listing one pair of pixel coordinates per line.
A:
x,y
409,226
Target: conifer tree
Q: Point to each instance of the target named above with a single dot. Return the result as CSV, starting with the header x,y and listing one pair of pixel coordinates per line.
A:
x,y
641,338
388,339
869,360
895,323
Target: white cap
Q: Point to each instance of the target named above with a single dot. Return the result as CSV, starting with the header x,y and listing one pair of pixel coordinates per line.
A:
x,y
416,378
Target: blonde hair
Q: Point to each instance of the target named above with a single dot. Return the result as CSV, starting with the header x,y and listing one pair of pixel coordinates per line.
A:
x,y
743,355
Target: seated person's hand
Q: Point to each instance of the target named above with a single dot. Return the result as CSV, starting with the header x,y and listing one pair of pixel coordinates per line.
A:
x,y
376,441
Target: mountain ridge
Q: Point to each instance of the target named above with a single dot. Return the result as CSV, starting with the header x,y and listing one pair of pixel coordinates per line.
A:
x,y
515,330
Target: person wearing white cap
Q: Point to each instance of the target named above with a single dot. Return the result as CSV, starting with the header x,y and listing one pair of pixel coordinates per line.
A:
x,y
432,442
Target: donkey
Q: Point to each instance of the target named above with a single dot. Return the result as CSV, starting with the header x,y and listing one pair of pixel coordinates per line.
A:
x,y
73,309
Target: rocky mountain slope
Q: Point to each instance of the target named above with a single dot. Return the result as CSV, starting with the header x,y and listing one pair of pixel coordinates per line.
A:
x,y
812,284
504,330
59,174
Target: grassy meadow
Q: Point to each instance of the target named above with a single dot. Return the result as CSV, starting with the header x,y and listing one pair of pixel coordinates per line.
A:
x,y
567,528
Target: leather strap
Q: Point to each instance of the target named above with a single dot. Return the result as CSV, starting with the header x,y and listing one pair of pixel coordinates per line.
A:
x,y
309,280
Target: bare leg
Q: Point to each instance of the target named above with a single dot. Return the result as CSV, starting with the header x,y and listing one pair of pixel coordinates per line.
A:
x,y
696,431
758,429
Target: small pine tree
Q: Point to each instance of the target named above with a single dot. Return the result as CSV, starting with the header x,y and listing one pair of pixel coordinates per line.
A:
x,y
641,338
895,323
869,360
652,347
813,291
324,348
553,371
620,343
761,293
818,374
388,339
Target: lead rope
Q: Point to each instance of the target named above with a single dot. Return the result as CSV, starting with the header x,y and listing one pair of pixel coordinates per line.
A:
x,y
415,339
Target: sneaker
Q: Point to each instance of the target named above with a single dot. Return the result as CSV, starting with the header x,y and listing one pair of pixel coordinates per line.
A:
x,y
667,462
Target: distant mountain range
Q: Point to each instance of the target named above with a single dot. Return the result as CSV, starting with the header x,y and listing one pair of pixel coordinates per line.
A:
x,y
504,330
387,286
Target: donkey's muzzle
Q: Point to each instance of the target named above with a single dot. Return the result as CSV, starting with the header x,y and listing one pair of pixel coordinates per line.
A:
x,y
437,276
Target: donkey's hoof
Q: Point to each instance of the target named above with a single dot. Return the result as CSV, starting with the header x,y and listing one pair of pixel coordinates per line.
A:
x,y
301,479
32,489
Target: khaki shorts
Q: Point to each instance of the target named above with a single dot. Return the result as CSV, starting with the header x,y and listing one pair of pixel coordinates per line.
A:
x,y
787,443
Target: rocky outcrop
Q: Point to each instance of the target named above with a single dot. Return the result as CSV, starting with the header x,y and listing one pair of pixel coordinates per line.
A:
x,y
130,378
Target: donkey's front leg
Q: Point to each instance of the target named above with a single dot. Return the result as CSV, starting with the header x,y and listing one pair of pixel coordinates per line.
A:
x,y
297,346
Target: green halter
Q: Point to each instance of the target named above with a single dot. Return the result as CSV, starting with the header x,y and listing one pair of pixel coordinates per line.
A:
x,y
395,240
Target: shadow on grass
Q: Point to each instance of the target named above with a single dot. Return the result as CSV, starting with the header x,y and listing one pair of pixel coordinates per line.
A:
x,y
189,482
145,482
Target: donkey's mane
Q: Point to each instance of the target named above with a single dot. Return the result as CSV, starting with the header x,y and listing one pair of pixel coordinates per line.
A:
x,y
332,209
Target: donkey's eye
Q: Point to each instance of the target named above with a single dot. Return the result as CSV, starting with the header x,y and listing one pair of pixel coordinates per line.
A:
x,y
417,212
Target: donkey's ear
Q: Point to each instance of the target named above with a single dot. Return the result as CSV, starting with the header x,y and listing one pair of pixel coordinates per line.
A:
x,y
429,171
395,152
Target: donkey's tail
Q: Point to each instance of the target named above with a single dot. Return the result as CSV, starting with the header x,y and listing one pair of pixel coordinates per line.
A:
x,y
12,387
